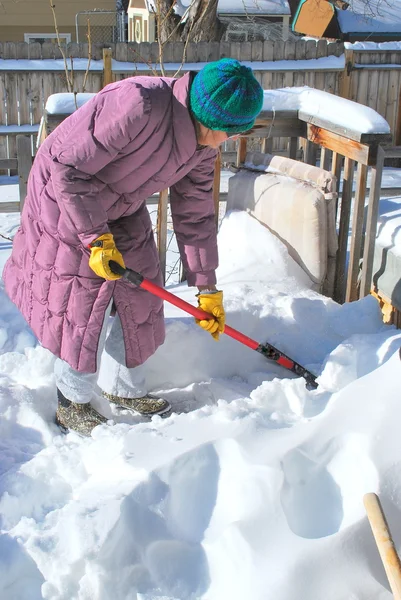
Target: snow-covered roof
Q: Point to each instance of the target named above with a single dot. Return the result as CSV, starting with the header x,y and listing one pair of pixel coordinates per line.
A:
x,y
243,7
375,16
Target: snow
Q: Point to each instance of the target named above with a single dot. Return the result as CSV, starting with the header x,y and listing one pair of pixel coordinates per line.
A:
x,y
339,111
371,17
242,7
372,46
327,63
254,491
66,103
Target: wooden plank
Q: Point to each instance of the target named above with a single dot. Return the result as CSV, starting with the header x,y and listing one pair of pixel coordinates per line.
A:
x,y
24,90
339,278
300,50
34,51
12,98
330,83
36,96
292,147
310,49
351,293
202,49
22,50
24,154
107,68
345,85
3,99
336,166
225,48
122,51
216,187
290,50
310,153
341,145
392,152
382,97
397,135
246,51
48,50
257,50
9,207
325,159
162,231
9,163
10,50
267,145
178,52
371,224
241,151
214,51
49,85
373,89
268,51
391,109
279,46
341,131
321,50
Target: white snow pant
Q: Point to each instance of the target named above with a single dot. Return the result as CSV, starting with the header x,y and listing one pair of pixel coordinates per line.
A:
x,y
112,376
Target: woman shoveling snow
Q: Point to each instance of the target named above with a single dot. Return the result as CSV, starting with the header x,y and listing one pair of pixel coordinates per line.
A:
x,y
86,205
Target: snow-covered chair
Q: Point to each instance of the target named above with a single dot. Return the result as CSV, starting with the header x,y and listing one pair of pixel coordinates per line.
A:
x,y
297,202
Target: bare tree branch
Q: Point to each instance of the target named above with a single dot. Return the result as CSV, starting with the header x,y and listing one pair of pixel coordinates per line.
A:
x,y
70,82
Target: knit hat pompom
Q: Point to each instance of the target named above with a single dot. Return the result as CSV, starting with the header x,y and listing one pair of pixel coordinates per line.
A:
x,y
225,96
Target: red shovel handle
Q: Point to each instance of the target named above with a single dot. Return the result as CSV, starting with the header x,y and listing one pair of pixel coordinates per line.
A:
x,y
153,288
195,312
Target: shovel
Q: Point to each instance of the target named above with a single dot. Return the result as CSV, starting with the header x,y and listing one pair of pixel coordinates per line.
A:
x,y
267,350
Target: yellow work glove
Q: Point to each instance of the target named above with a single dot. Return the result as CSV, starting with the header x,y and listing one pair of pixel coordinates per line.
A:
x,y
103,249
213,304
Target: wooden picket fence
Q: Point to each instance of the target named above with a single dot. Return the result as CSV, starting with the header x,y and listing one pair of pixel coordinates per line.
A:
x,y
372,78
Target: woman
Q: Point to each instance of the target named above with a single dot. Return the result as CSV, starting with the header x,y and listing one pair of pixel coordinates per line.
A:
x,y
86,205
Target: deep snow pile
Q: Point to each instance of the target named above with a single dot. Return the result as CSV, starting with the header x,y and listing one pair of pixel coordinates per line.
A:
x,y
256,493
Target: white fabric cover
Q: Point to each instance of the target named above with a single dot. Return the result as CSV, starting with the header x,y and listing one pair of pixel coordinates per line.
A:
x,y
301,212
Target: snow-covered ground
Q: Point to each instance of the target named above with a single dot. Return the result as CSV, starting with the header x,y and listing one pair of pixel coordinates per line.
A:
x,y
252,489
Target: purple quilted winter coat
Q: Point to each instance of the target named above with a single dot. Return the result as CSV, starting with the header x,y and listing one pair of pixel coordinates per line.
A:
x,y
93,175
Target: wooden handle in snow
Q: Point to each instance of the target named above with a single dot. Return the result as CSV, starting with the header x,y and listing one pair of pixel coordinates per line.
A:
x,y
384,542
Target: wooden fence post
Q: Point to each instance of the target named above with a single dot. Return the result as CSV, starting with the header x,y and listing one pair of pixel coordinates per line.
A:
x,y
384,542
371,223
345,80
339,279
216,187
24,156
107,70
357,234
162,231
241,151
397,133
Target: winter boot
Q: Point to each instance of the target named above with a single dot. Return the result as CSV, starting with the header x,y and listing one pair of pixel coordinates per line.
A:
x,y
146,406
82,418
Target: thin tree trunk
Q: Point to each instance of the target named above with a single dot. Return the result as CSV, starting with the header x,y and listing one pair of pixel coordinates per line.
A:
x,y
201,22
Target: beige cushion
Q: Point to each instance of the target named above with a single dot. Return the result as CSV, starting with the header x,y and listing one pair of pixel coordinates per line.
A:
x,y
321,179
293,210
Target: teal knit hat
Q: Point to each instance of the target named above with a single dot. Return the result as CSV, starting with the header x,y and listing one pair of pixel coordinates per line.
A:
x,y
225,96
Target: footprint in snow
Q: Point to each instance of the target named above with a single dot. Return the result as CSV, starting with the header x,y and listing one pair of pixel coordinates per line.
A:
x,y
310,498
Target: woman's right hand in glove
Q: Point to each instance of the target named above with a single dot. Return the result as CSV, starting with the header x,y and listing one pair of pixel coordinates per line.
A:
x,y
103,250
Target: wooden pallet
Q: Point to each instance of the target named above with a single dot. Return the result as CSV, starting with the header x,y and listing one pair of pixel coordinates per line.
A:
x,y
391,315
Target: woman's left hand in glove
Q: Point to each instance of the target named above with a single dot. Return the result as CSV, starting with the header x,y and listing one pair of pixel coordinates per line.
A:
x,y
212,303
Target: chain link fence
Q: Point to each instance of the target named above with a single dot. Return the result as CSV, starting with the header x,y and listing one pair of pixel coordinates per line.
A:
x,y
106,26
253,29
